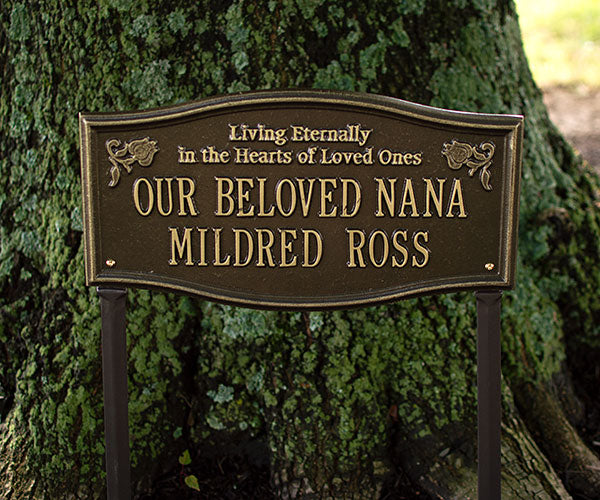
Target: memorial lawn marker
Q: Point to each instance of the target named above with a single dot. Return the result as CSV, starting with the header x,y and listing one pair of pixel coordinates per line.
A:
x,y
301,200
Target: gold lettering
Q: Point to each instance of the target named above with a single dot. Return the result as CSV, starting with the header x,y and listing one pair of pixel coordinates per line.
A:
x,y
233,133
261,199
264,247
364,136
250,156
385,248
326,197
202,231
159,195
305,198
238,251
352,133
328,135
280,136
241,155
297,133
279,200
218,261
430,195
355,249
423,250
186,155
261,133
222,195
456,200
357,197
319,247
211,155
408,198
384,156
136,196
387,195
286,246
387,157
186,197
181,246
244,195
400,247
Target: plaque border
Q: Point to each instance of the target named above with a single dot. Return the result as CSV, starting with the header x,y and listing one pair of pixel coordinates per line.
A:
x,y
510,125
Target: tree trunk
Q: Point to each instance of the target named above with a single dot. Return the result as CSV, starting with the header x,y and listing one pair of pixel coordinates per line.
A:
x,y
346,399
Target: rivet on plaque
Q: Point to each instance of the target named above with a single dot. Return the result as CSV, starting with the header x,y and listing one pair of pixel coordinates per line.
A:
x,y
110,262
489,266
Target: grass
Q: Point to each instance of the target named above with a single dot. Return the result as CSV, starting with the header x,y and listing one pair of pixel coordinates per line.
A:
x,y
562,40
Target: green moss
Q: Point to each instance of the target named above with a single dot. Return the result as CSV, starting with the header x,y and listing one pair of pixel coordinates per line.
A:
x,y
336,375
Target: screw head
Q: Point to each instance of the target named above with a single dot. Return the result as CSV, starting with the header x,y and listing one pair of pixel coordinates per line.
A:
x,y
489,266
110,263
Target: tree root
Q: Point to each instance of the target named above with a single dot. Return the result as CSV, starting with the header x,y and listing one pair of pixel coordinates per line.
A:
x,y
448,470
578,466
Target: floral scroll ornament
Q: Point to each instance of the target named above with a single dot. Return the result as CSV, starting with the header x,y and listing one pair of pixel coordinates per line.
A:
x,y
140,150
474,157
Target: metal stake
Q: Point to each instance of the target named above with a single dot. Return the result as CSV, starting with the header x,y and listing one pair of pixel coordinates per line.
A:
x,y
114,378
489,413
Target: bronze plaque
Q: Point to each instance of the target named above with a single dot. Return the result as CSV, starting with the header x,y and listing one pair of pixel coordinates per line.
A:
x,y
301,199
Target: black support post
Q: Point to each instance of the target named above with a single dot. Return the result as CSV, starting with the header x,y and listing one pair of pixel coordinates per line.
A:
x,y
114,378
489,413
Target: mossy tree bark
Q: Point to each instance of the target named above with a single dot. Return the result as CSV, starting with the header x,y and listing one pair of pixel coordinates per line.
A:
x,y
343,399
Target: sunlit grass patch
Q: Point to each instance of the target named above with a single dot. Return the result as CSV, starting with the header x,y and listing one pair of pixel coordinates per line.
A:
x,y
562,40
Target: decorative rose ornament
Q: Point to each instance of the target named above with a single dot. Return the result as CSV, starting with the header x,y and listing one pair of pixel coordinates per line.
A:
x,y
142,151
475,158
